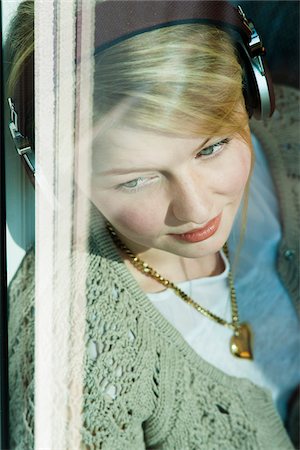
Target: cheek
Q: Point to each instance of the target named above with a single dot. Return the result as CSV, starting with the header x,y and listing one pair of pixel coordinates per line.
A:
x,y
130,216
137,221
235,175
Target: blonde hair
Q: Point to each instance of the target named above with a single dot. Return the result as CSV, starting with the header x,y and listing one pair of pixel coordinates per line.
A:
x,y
183,79
20,43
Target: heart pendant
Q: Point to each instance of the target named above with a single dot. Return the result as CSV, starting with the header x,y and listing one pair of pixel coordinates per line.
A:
x,y
240,342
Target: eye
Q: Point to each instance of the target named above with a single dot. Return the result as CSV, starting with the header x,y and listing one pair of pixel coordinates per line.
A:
x,y
213,149
131,184
136,184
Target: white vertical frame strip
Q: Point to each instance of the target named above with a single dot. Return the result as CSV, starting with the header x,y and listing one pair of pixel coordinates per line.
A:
x,y
63,241
44,140
83,140
55,118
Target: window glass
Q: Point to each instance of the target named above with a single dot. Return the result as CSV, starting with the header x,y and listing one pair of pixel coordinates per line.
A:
x,y
150,228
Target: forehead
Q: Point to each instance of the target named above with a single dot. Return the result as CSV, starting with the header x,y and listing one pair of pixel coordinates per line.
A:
x,y
122,141
124,148
129,137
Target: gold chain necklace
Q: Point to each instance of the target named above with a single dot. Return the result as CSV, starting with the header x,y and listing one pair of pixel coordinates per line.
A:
x,y
240,342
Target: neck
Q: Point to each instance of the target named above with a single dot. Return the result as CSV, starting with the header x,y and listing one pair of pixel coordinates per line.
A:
x,y
174,268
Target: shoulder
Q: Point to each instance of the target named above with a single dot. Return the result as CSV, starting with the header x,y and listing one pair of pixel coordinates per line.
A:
x,y
21,295
279,137
280,134
287,99
21,351
283,126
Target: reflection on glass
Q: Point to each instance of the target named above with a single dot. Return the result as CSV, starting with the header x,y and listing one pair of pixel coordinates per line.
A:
x,y
161,319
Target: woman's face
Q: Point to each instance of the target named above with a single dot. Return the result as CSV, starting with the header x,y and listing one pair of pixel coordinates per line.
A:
x,y
175,194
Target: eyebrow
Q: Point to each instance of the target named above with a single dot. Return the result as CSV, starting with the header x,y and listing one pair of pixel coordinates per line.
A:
x,y
124,171
120,171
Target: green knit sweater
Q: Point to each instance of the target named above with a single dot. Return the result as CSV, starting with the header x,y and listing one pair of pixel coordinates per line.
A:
x,y
145,387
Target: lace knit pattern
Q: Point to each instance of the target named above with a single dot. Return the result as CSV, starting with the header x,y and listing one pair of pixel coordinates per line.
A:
x,y
152,391
21,356
145,388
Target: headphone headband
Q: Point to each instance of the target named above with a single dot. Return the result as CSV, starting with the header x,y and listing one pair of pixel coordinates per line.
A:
x,y
118,20
121,20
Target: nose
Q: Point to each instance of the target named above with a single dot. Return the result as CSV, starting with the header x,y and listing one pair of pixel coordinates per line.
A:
x,y
192,200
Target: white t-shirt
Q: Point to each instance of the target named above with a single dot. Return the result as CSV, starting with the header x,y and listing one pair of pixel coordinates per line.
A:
x,y
262,300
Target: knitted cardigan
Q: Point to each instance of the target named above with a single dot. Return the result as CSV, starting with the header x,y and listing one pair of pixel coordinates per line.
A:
x,y
145,387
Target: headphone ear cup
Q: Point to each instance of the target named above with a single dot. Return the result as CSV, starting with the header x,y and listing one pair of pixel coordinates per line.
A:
x,y
270,86
250,95
257,85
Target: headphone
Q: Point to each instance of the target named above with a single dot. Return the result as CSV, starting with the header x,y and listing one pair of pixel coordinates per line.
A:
x,y
117,20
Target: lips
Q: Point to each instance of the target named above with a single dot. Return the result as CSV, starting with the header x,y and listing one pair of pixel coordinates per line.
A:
x,y
201,234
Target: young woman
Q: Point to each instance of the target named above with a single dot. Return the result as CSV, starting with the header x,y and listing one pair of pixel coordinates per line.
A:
x,y
170,360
